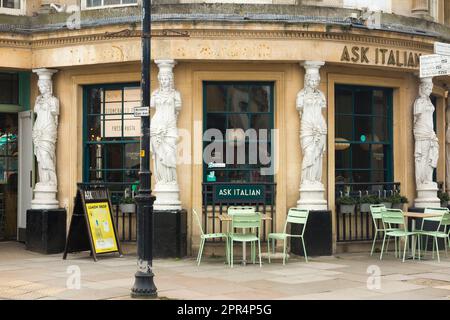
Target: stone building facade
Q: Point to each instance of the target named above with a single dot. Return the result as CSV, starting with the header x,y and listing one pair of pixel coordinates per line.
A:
x,y
239,65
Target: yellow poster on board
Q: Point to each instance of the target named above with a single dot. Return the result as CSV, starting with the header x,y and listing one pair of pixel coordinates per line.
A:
x,y
101,226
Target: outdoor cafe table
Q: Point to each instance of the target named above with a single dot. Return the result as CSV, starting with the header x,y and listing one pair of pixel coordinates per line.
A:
x,y
418,215
228,218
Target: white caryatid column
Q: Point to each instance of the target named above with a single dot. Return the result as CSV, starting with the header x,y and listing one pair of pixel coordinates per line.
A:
x,y
45,132
164,138
313,138
426,147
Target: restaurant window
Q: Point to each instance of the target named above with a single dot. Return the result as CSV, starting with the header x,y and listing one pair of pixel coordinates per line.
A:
x,y
363,134
242,112
94,4
111,134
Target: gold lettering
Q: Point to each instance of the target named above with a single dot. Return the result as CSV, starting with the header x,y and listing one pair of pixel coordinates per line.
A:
x,y
355,51
364,54
410,60
383,55
391,59
376,56
345,56
397,54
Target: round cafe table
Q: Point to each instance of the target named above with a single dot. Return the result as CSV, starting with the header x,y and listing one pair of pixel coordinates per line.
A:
x,y
414,216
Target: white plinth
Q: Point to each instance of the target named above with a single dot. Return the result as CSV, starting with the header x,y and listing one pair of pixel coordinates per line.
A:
x,y
45,197
167,197
427,196
312,197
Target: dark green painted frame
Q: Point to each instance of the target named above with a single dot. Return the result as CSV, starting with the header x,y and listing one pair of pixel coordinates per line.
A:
x,y
389,170
271,84
87,143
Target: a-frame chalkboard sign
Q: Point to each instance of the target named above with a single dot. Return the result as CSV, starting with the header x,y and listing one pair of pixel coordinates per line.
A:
x,y
92,225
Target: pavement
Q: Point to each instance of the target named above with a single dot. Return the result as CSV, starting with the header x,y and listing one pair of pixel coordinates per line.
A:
x,y
29,275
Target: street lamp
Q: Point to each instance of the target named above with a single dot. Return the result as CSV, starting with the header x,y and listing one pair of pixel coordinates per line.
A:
x,y
144,286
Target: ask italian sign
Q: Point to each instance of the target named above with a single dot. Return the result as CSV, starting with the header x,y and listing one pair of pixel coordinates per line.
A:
x,y
238,193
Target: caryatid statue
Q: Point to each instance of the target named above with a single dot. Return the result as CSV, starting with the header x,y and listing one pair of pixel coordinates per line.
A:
x,y
45,132
313,138
426,148
164,137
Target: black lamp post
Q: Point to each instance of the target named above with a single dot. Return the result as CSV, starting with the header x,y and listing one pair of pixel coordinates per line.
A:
x,y
144,286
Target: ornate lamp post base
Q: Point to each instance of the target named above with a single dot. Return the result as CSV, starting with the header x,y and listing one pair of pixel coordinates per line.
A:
x,y
144,287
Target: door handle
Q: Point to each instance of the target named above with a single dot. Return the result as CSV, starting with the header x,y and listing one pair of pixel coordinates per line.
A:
x,y
31,179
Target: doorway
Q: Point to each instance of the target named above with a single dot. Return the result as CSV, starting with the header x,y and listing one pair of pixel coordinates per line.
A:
x,y
8,175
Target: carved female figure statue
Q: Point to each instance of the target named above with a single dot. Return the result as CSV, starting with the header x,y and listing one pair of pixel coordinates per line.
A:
x,y
426,151
45,133
163,131
313,129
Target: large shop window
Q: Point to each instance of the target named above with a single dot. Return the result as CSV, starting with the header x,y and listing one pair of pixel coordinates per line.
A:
x,y
111,134
243,114
363,135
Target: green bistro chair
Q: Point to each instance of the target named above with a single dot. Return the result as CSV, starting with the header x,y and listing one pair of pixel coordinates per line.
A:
x,y
375,212
392,217
443,222
295,215
204,236
251,221
240,210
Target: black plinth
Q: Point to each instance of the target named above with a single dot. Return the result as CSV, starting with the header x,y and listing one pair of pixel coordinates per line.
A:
x,y
318,235
46,230
170,234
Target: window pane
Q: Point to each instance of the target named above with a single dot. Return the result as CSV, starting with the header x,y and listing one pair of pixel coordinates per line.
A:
x,y
216,121
238,97
11,4
216,97
343,158
236,121
343,101
363,101
9,88
379,156
361,176
380,129
380,103
93,3
259,99
360,156
344,125
110,2
261,122
95,101
363,129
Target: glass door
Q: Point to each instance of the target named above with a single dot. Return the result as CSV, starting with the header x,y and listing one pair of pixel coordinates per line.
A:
x,y
8,175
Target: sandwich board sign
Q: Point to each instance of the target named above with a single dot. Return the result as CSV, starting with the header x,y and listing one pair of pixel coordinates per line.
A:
x,y
433,65
92,226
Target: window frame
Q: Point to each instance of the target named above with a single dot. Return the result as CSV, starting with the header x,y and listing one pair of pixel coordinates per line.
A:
x,y
389,169
247,168
85,7
87,143
16,12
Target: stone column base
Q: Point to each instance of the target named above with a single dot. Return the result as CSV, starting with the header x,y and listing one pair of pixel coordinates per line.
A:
x,y
46,230
427,196
167,197
312,197
44,197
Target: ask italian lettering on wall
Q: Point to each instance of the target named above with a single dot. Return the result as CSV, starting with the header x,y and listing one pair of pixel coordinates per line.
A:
x,y
381,56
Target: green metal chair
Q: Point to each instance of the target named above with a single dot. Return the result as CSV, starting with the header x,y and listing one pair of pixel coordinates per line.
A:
x,y
204,236
242,222
392,217
375,212
295,215
240,210
443,222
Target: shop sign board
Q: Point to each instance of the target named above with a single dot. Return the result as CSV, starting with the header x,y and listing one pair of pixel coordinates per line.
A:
x,y
434,65
92,226
442,48
239,193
